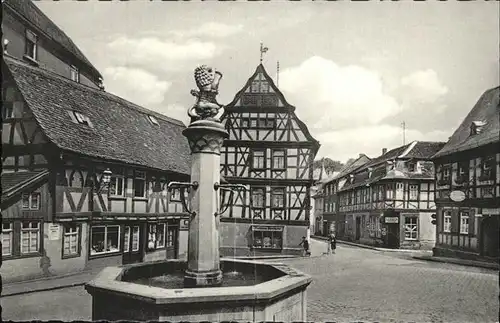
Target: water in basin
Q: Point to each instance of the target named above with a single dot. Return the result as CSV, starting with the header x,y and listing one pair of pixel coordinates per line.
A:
x,y
176,280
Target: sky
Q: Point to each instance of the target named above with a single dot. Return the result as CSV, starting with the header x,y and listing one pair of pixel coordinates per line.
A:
x,y
354,71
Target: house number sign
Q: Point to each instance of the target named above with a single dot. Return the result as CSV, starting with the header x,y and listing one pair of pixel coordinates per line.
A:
x,y
54,231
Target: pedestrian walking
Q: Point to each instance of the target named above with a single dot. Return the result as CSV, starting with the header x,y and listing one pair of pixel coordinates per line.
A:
x,y
305,244
332,242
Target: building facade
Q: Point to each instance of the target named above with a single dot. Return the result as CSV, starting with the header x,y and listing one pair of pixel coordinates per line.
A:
x,y
389,201
269,151
84,173
468,185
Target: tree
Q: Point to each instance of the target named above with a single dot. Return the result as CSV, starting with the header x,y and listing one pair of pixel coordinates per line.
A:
x,y
330,165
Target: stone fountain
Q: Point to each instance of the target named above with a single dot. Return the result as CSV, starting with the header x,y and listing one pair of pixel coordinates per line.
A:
x,y
206,287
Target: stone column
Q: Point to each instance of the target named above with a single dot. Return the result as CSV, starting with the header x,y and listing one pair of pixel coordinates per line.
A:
x,y
205,140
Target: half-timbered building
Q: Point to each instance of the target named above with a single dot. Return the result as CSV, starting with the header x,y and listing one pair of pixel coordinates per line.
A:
x,y
468,185
84,172
389,201
270,151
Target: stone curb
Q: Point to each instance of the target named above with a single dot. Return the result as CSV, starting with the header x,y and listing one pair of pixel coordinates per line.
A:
x,y
372,247
462,262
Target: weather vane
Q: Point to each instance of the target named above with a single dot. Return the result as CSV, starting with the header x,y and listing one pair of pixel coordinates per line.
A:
x,y
262,51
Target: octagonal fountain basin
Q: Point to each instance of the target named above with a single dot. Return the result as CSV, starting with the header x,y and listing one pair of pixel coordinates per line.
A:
x,y
251,291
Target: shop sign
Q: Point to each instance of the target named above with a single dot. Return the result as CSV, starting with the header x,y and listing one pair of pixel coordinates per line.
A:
x,y
457,196
391,219
54,231
267,228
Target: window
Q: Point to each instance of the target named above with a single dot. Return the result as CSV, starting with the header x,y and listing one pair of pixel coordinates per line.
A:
x,y
7,110
411,228
30,237
259,159
135,239
445,175
464,222
413,192
140,184
31,201
76,179
258,198
411,167
81,119
153,120
264,86
255,87
245,123
7,237
74,74
105,239
278,159
31,47
488,168
399,186
175,195
267,237
278,198
253,123
117,184
156,236
170,237
389,193
71,240
462,172
447,221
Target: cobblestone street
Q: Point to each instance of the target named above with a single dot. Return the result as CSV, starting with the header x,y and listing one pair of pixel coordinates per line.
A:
x,y
354,284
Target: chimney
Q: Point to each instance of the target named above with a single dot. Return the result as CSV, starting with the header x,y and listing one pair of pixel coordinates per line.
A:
x,y
384,151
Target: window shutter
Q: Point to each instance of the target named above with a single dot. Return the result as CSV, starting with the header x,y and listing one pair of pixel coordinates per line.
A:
x,y
472,222
455,221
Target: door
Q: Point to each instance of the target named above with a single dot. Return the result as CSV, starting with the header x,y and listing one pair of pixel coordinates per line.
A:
x,y
393,235
490,237
358,228
325,228
133,246
171,241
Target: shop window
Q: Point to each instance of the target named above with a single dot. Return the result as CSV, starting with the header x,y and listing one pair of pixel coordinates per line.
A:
x,y
156,236
30,237
267,237
31,201
140,184
71,240
7,237
258,159
117,184
258,198
278,198
411,228
105,239
447,221
464,222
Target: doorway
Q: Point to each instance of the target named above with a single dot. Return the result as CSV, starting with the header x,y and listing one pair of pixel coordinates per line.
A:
x,y
393,235
133,243
358,229
172,241
490,236
326,228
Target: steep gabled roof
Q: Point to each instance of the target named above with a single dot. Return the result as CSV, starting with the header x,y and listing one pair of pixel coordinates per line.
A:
x,y
281,101
17,182
121,131
414,150
487,109
28,10
351,166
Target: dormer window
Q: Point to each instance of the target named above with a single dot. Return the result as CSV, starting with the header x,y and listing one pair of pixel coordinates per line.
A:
x,y
74,74
411,167
370,171
476,127
351,178
80,118
153,120
30,50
